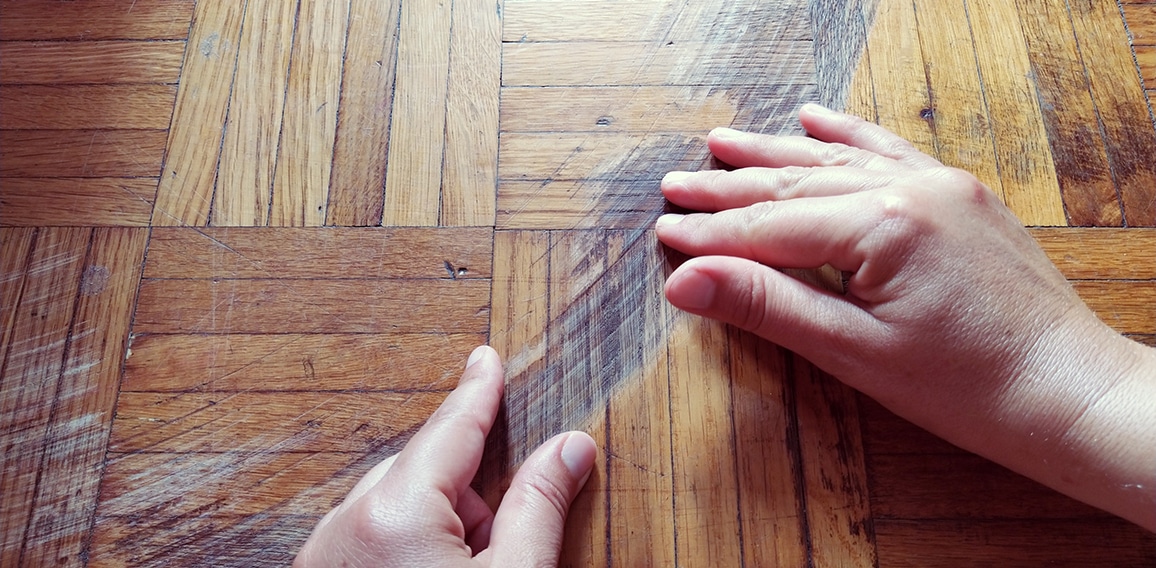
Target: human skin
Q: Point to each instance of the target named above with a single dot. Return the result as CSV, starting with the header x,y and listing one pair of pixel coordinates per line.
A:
x,y
417,508
952,316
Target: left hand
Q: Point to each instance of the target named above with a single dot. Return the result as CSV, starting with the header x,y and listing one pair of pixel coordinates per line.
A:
x,y
417,508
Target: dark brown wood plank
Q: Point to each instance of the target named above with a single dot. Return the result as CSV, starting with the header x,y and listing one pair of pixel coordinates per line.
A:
x,y
274,252
103,62
49,107
237,363
95,19
77,201
81,153
15,244
81,416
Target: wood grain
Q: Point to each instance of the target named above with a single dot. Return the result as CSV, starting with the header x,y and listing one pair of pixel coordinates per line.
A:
x,y
418,126
81,153
1126,306
103,62
95,20
15,244
1101,254
76,201
897,65
57,107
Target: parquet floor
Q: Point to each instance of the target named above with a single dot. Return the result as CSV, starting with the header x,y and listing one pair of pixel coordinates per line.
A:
x,y
247,245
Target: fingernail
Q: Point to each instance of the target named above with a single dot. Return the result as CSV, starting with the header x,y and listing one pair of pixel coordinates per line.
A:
x,y
578,455
693,291
669,219
675,178
726,133
477,355
818,109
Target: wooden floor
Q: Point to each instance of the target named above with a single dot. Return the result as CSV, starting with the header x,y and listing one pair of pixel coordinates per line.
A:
x,y
247,246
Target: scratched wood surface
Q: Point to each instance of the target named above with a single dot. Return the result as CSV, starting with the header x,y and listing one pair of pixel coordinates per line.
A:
x,y
246,247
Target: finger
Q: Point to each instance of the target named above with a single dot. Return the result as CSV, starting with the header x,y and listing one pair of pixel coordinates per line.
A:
x,y
446,451
477,520
830,126
716,190
529,523
812,322
367,481
747,149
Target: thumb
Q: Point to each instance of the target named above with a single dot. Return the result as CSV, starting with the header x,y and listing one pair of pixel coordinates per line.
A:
x,y
528,526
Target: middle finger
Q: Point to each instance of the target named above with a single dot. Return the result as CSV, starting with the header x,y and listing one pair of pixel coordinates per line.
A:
x,y
718,190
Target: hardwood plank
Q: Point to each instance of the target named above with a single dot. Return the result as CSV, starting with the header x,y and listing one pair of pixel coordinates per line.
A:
x,y
959,121
651,20
470,164
81,416
1101,254
650,109
617,157
1141,20
948,542
284,253
1089,193
576,205
1026,166
898,68
309,127
81,153
357,184
884,433
707,528
15,244
728,64
336,362
57,107
257,540
77,201
417,131
1126,306
185,194
313,306
1146,60
264,422
95,19
253,124
32,374
103,62
1125,117
839,516
772,510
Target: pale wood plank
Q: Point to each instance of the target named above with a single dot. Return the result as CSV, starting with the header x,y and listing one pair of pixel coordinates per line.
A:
x,y
1126,306
959,120
90,62
77,201
834,473
767,451
952,543
1119,96
48,107
263,422
81,153
579,204
185,194
470,164
95,19
418,127
707,528
253,124
309,127
313,306
898,69
276,252
1089,194
82,412
357,184
1026,167
728,64
1107,254
32,375
292,362
617,157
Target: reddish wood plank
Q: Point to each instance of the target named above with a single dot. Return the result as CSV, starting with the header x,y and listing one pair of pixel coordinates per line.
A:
x,y
1105,254
105,62
95,19
220,363
243,542
47,107
265,422
32,375
320,253
1128,306
82,413
313,306
77,201
81,153
15,244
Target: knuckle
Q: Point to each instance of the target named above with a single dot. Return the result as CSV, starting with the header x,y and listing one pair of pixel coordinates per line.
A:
x,y
549,492
751,309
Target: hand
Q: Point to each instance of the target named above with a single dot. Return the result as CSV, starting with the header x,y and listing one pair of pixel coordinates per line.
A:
x,y
417,508
952,316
